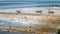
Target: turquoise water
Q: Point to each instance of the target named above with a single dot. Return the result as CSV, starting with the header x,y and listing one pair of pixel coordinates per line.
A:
x,y
18,4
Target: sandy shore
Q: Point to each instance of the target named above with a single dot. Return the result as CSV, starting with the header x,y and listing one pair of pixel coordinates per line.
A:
x,y
40,23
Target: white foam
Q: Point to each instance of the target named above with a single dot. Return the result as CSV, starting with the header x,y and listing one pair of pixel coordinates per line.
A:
x,y
33,10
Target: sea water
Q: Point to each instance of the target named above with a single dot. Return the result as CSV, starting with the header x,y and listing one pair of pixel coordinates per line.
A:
x,y
18,4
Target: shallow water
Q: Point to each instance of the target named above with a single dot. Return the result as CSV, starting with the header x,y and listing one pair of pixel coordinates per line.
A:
x,y
5,32
15,24
9,23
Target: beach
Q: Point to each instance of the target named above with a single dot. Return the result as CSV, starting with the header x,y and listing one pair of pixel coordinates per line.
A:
x,y
38,23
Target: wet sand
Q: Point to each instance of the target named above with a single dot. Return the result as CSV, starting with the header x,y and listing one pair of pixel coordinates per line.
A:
x,y
39,23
